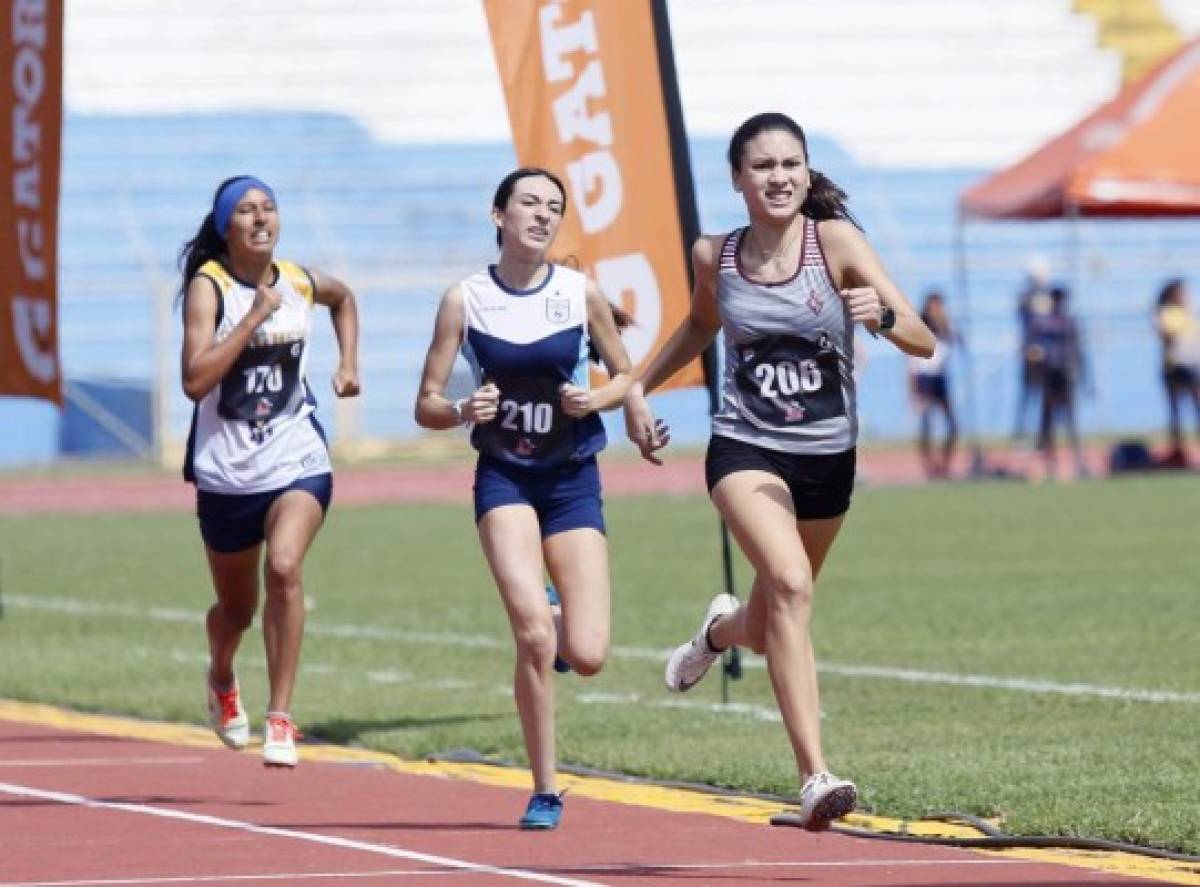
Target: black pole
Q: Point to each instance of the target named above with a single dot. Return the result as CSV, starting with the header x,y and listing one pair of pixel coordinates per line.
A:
x,y
689,229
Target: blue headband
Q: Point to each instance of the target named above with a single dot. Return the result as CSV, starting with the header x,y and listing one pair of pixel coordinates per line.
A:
x,y
228,197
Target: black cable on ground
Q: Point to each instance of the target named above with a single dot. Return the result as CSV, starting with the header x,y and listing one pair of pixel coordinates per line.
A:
x,y
993,838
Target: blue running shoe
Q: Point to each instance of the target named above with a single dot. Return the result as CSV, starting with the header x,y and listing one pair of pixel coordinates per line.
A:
x,y
543,813
560,665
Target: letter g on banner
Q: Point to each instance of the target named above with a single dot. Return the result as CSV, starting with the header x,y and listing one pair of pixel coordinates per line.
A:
x,y
33,330
630,282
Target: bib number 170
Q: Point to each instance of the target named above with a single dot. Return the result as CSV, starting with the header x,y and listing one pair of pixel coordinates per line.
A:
x,y
788,377
261,379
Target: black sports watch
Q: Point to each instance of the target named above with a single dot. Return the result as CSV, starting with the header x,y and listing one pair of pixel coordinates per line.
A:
x,y
887,319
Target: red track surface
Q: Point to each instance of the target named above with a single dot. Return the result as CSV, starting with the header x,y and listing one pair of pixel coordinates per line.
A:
x,y
399,821
680,475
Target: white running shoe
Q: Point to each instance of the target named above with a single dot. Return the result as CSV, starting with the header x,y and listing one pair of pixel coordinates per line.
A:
x,y
227,717
825,798
279,740
691,661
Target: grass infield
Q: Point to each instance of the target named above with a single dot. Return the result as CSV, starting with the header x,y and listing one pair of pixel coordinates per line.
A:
x,y
997,649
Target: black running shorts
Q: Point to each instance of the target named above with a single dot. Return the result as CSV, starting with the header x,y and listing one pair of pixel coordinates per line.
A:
x,y
820,484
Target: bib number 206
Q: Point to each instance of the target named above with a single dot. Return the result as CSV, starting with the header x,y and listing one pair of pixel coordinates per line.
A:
x,y
788,377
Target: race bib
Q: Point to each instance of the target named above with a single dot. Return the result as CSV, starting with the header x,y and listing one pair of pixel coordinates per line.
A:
x,y
260,385
786,381
530,426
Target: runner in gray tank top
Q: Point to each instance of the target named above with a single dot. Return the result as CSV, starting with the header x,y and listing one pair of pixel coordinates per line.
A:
x,y
787,291
788,383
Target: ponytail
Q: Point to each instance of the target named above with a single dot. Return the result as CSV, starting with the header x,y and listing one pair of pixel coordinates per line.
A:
x,y
826,200
622,320
206,245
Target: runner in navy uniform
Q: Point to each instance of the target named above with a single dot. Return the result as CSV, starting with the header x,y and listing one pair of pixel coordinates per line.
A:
x,y
786,291
255,452
524,325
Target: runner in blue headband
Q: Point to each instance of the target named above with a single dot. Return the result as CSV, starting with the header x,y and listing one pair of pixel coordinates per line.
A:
x,y
228,197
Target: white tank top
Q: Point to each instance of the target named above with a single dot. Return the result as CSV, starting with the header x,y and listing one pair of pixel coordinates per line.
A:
x,y
255,430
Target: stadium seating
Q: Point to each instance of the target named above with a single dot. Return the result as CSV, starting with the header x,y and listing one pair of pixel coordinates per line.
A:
x,y
383,128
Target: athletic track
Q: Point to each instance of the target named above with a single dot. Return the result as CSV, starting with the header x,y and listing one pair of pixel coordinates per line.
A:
x,y
95,800
622,476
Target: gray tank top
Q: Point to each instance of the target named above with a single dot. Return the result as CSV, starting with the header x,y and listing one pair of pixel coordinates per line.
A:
x,y
788,382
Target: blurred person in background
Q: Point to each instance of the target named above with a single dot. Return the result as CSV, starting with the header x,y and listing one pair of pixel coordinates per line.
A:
x,y
929,387
255,452
525,326
1056,349
786,291
1033,300
1179,331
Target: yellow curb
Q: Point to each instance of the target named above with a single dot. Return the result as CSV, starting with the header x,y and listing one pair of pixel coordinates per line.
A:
x,y
674,800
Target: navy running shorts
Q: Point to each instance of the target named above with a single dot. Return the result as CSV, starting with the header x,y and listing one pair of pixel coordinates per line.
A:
x,y
563,498
820,484
232,522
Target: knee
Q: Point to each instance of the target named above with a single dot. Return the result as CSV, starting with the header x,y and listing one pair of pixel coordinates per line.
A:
x,y
237,616
793,590
536,641
589,660
283,569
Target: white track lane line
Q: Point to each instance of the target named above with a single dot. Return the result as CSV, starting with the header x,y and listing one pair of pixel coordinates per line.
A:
x,y
1036,686
96,762
271,831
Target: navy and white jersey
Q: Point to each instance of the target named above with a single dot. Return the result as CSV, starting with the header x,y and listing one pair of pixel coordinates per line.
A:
x,y
788,382
255,430
529,343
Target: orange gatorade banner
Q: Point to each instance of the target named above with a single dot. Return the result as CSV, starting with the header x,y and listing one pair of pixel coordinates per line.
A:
x,y
585,97
30,128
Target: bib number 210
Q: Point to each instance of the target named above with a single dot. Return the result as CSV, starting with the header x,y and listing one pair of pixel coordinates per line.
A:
x,y
529,418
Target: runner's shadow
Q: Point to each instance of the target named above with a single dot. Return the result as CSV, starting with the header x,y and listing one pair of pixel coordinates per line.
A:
x,y
679,873
1014,881
345,730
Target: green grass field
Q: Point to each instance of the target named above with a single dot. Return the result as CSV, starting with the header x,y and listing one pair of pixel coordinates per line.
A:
x,y
1067,592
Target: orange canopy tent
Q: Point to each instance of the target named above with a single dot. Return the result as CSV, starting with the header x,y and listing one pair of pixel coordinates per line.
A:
x,y
1136,155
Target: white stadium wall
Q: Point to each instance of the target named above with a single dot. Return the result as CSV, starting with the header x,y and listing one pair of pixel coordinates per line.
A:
x,y
923,83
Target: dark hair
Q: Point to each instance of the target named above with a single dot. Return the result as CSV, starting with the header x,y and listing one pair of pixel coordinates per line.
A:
x,y
927,315
825,200
1170,291
507,184
207,244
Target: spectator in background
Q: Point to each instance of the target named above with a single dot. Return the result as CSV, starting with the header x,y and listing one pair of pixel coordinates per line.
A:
x,y
1032,301
1179,331
929,386
1056,352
